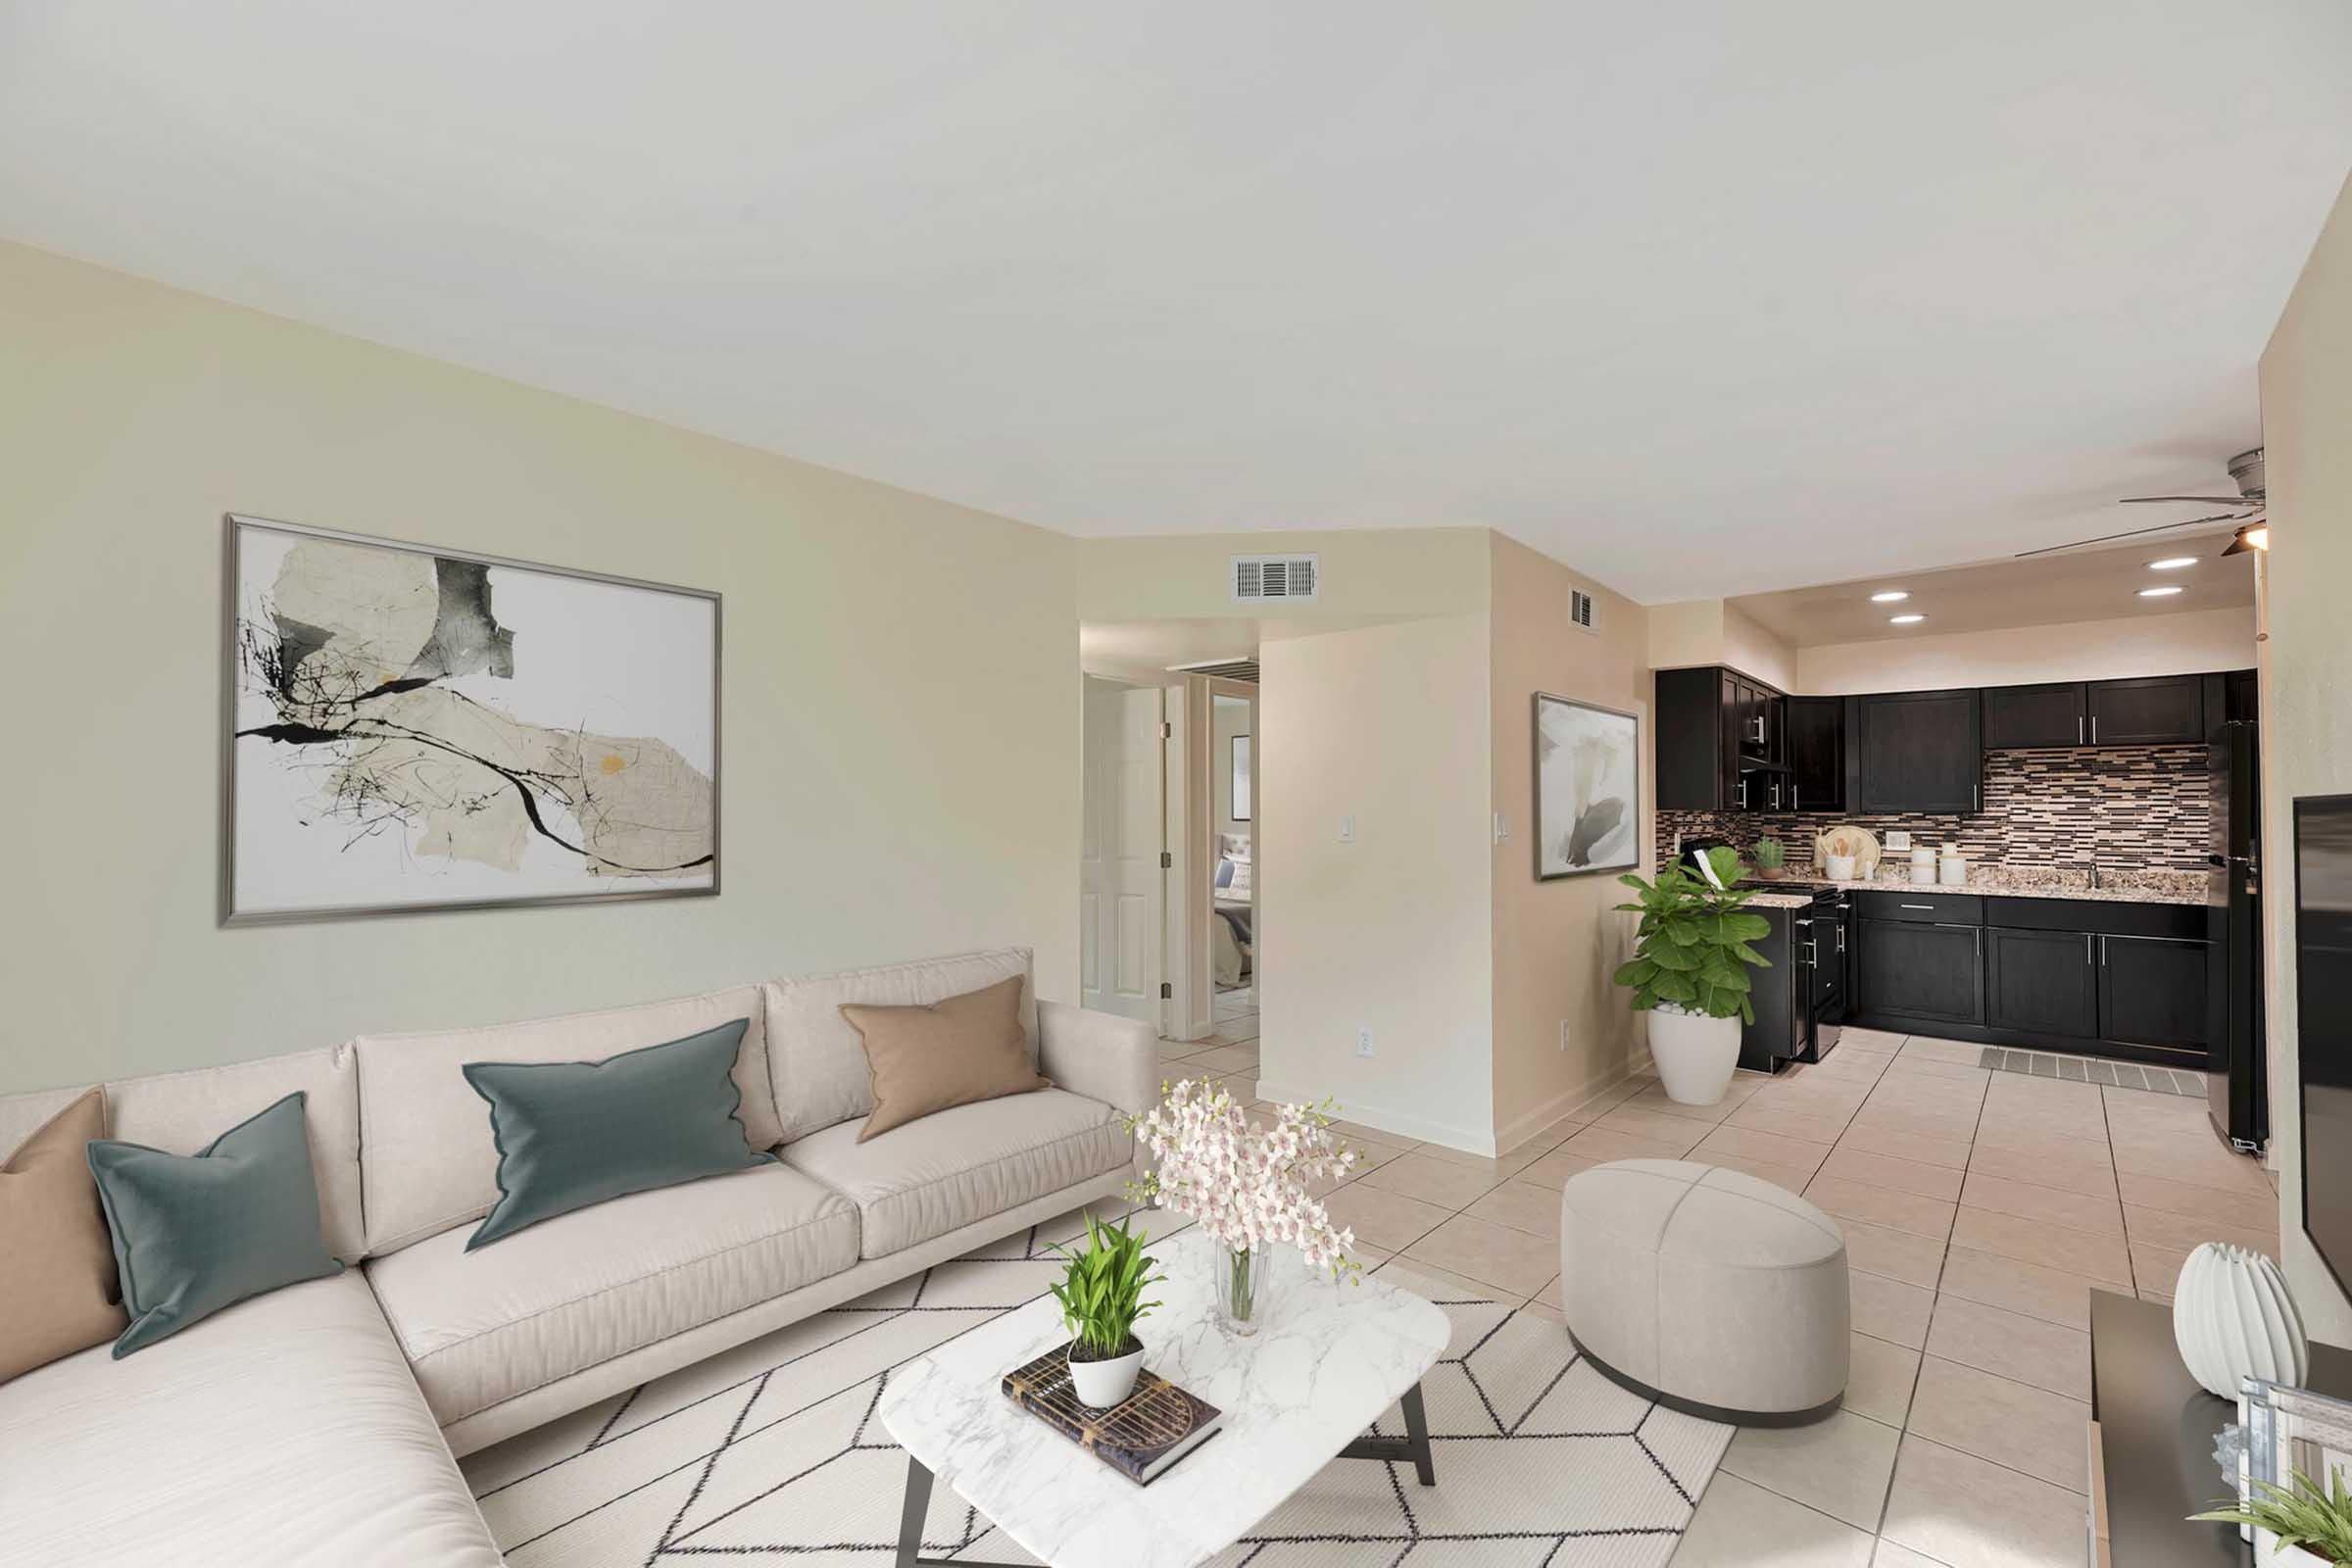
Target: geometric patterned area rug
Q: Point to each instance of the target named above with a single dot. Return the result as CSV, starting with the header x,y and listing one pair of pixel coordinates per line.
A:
x,y
772,1452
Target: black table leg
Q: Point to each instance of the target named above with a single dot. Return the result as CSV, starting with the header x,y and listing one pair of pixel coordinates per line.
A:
x,y
1414,1446
912,1514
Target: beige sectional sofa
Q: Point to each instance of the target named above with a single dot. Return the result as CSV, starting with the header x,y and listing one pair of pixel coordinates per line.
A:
x,y
320,1423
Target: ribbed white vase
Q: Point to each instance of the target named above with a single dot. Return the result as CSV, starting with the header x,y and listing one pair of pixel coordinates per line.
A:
x,y
2232,1319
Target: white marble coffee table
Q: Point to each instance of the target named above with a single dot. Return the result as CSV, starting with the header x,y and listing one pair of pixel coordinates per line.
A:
x,y
1327,1359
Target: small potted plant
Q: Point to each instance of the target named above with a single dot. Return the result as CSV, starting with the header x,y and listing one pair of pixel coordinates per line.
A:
x,y
1101,1298
1772,856
2304,1525
1690,974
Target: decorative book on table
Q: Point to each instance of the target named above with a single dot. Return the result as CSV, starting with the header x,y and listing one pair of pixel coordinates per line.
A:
x,y
1140,1437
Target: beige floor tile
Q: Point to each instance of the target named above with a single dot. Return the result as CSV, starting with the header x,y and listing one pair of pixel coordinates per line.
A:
x,y
2047,1167
1545,1139
2083,1211
2011,1127
1388,1220
1523,1207
1599,1144
2035,1141
1969,1513
1172,1058
1433,1284
2155,1270
1807,1128
1741,1524
1355,1132
1876,1040
2033,1240
1891,1171
2030,1089
1878,1386
1837,1466
1634,1122
2024,1350
1655,1098
1873,1140
2051,1295
1892,1554
1890,1310
1495,1167
1430,1180
2223,1206
2153,1227
1505,1259
1936,1070
1912,1122
1617,1094
1549,1294
1882,1206
2192,1157
1926,1048
1790,1178
1754,1144
1223,1059
1904,1255
1544,1311
1553,1169
2010,1423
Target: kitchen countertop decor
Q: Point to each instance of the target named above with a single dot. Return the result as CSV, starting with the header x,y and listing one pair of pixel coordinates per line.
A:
x,y
2018,882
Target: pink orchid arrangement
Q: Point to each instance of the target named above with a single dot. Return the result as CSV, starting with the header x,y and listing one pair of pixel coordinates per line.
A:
x,y
1243,1183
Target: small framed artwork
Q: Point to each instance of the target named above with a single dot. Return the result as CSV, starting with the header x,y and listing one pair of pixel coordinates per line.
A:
x,y
1588,784
413,728
1243,804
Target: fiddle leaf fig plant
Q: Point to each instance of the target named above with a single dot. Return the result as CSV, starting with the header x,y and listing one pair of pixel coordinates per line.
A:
x,y
1690,952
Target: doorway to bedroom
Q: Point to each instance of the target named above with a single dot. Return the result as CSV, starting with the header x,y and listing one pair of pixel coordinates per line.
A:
x,y
1234,934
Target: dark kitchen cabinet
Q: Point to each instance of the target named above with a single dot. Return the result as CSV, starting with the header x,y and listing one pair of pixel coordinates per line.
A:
x,y
1718,738
2042,982
2153,991
1920,970
2160,711
2241,697
1915,752
2036,715
1815,729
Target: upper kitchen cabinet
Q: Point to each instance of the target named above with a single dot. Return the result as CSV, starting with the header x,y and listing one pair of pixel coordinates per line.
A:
x,y
2160,711
1815,728
1915,752
1719,741
2036,715
2241,697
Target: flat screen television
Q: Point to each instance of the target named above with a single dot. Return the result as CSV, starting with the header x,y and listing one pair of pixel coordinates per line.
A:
x,y
2324,1011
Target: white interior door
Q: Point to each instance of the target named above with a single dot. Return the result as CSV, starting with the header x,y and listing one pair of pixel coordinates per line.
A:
x,y
1120,891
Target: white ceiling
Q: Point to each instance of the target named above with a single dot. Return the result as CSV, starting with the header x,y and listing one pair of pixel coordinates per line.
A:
x,y
1708,298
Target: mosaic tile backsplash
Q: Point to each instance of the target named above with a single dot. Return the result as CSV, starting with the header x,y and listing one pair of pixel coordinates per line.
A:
x,y
2132,808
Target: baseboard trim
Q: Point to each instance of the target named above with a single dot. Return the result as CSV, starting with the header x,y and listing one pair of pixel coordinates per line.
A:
x,y
1521,1128
1404,1124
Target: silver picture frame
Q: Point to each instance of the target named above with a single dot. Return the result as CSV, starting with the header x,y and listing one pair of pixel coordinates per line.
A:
x,y
1632,812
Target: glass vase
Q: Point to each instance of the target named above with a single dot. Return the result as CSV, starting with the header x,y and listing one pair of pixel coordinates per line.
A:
x,y
1242,1286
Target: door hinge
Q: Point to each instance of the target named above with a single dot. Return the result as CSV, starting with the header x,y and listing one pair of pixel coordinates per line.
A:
x,y
1167,731
1167,861
1167,991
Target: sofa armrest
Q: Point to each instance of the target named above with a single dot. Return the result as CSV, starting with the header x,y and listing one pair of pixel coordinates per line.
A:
x,y
1099,1054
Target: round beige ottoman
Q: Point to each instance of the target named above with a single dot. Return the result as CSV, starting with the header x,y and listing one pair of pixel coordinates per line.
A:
x,y
1707,1289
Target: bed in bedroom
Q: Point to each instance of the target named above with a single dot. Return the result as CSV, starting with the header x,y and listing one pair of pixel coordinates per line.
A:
x,y
1229,923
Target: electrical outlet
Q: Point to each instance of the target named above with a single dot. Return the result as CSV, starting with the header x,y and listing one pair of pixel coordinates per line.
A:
x,y
1897,839
1563,1034
1348,836
1363,1044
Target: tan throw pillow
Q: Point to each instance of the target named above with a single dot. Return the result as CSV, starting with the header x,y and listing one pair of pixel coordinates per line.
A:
x,y
58,1292
953,1052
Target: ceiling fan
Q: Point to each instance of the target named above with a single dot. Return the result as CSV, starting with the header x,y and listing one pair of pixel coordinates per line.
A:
x,y
2244,507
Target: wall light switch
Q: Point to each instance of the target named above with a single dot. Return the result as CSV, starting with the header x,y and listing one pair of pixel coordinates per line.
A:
x,y
1503,828
1363,1043
1348,829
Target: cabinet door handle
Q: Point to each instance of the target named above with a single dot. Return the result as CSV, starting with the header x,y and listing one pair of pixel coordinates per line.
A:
x,y
2078,729
2102,953
2094,729
1841,936
1930,908
2086,947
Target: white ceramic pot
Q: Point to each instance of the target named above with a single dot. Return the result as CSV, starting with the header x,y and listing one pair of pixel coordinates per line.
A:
x,y
2271,1555
1839,867
1694,1055
2232,1319
1103,1384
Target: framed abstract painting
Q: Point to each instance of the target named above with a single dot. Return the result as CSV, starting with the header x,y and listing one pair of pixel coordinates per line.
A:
x,y
1587,788
415,728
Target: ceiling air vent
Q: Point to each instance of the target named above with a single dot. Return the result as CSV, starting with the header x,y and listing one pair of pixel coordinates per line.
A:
x,y
1580,611
1262,577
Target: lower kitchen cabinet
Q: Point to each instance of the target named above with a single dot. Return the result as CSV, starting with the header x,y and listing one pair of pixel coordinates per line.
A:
x,y
1920,970
2041,982
2153,991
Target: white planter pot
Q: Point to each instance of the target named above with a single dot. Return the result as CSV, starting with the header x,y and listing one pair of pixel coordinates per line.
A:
x,y
2232,1319
2269,1553
1103,1384
1694,1055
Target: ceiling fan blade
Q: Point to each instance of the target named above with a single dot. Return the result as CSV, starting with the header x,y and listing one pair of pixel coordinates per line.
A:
x,y
2210,501
2133,533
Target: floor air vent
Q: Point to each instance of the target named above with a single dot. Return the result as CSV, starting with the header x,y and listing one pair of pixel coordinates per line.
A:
x,y
1264,577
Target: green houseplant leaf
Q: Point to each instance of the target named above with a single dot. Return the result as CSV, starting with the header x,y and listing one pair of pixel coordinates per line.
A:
x,y
1692,945
1101,1292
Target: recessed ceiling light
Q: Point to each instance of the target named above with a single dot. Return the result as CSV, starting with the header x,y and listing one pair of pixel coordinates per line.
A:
x,y
1904,621
2172,563
1891,596
2157,593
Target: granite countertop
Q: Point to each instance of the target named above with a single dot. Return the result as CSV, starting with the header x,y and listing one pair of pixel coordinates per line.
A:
x,y
2019,882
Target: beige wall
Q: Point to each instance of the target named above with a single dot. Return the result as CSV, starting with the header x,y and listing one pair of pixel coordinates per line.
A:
x,y
1710,631
2305,691
900,728
1557,943
1374,572
2186,644
1390,724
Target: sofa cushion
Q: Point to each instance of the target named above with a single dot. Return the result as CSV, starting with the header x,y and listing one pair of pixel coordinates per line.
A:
x,y
430,1161
285,1429
58,1292
583,1288
959,1166
814,1055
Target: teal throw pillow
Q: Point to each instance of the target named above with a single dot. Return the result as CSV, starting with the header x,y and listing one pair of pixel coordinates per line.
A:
x,y
195,1233
571,1134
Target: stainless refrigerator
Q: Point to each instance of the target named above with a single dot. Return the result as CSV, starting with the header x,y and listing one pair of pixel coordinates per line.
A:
x,y
2236,1091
